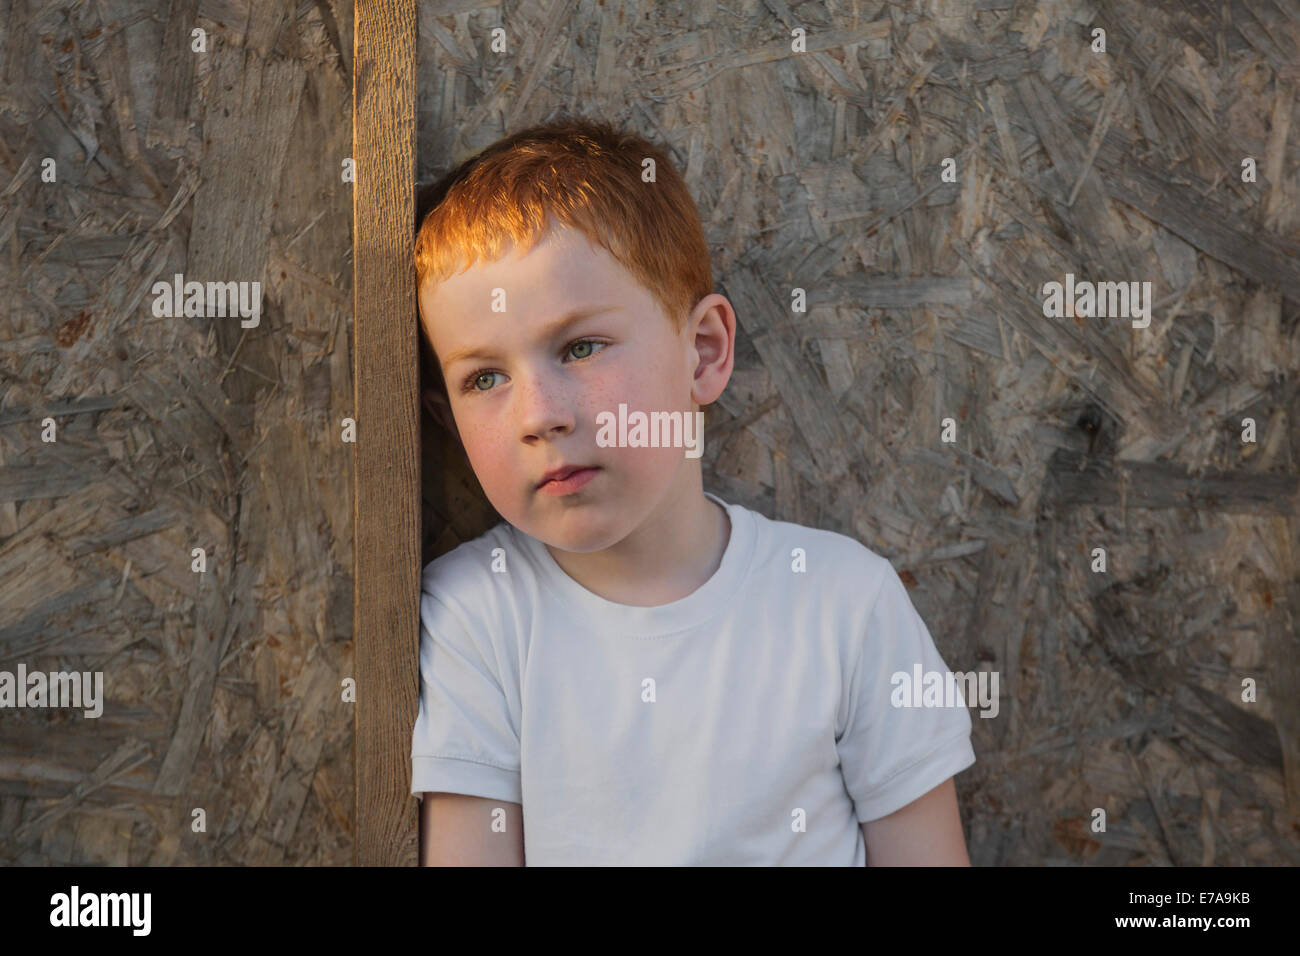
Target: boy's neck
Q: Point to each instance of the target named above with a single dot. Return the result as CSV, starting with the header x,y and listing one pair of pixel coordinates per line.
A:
x,y
669,557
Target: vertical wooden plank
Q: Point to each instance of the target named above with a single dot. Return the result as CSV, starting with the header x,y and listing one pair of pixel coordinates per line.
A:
x,y
387,466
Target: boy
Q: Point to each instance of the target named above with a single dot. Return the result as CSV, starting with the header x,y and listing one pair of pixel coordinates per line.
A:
x,y
628,670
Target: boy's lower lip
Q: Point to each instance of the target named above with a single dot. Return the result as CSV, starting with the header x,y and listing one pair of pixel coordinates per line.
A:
x,y
570,484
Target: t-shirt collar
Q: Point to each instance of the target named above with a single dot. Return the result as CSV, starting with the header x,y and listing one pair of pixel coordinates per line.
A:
x,y
717,593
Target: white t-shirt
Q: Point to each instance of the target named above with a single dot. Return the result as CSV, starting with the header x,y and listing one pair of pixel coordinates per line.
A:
x,y
749,723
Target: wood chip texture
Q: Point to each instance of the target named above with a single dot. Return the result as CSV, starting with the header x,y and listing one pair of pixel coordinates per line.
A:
x,y
822,170
819,170
222,697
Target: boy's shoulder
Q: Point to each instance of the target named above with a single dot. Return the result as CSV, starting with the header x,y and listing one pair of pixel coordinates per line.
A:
x,y
468,568
837,560
833,564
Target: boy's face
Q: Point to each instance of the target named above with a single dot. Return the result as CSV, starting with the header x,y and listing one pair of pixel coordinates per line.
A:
x,y
529,402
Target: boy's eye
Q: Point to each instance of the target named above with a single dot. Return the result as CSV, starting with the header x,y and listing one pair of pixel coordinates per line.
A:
x,y
584,346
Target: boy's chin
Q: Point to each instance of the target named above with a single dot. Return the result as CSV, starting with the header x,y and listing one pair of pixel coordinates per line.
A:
x,y
576,533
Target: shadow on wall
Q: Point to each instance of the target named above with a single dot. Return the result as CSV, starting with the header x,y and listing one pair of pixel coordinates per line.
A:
x,y
453,508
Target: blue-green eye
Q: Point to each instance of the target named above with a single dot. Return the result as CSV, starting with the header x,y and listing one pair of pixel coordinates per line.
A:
x,y
471,384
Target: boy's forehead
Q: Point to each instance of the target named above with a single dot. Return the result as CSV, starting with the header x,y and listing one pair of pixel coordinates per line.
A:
x,y
562,267
558,250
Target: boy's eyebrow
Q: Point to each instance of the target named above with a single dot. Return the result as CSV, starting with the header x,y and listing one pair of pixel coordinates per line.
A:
x,y
572,317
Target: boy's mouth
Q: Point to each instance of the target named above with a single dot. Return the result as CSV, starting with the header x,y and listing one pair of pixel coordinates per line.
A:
x,y
566,479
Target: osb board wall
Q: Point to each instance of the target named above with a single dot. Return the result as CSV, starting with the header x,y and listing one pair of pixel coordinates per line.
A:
x,y
822,170
221,689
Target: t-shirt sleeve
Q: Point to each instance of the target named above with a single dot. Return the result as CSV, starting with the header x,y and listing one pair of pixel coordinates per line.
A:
x,y
464,740
890,755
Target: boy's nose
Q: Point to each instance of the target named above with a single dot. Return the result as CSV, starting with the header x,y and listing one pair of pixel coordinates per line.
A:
x,y
544,409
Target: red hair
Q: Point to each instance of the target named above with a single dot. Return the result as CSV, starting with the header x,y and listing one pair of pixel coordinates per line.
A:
x,y
585,175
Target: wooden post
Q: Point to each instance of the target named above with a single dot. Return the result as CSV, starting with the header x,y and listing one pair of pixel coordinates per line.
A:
x,y
386,515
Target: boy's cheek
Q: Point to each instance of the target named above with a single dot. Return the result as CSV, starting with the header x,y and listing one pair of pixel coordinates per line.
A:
x,y
492,464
